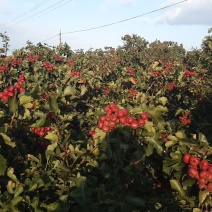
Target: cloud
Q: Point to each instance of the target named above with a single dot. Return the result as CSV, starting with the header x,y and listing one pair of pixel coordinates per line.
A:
x,y
109,3
191,12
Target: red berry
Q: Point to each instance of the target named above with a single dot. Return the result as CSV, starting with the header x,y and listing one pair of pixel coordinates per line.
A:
x,y
186,158
209,187
144,116
193,172
134,125
194,161
204,165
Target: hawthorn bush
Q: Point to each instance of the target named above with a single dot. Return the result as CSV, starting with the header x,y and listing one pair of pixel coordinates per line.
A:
x,y
126,129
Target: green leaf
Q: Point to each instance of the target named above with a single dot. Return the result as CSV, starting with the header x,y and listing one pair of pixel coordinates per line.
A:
x,y
180,134
83,90
69,91
177,187
13,105
3,165
52,137
181,75
163,100
10,174
33,158
25,99
170,143
53,104
39,123
136,110
149,149
149,126
202,138
7,140
79,194
53,207
137,201
178,112
35,91
156,144
16,200
18,190
203,195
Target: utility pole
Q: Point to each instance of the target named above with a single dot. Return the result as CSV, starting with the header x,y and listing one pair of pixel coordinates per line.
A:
x,y
60,37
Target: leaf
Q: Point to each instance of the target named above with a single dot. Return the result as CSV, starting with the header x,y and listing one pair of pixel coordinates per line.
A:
x,y
149,126
83,90
69,91
35,91
10,174
19,189
181,75
136,110
53,207
39,123
3,165
13,105
180,134
16,200
203,195
25,99
52,137
53,104
32,157
202,138
163,100
155,143
7,140
172,138
80,192
178,111
137,201
177,187
149,149
133,81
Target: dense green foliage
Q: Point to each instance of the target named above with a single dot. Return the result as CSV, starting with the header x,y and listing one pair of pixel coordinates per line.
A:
x,y
58,154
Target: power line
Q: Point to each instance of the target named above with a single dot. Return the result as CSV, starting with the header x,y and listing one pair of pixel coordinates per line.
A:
x,y
117,22
27,12
41,12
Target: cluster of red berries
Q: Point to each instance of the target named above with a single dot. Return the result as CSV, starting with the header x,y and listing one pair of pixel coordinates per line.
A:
x,y
92,133
185,118
48,66
132,93
189,73
130,71
15,62
106,90
167,64
201,170
117,60
4,68
155,74
170,86
70,62
58,58
41,131
114,116
11,90
75,73
33,58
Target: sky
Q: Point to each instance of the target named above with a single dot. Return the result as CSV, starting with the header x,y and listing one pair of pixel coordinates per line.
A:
x,y
187,22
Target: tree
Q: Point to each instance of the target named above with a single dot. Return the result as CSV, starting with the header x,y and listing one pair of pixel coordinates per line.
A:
x,y
5,41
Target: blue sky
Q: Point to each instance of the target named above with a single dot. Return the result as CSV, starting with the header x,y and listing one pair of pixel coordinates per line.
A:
x,y
38,20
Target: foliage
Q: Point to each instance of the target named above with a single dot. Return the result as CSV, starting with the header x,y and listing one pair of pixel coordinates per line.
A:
x,y
65,144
